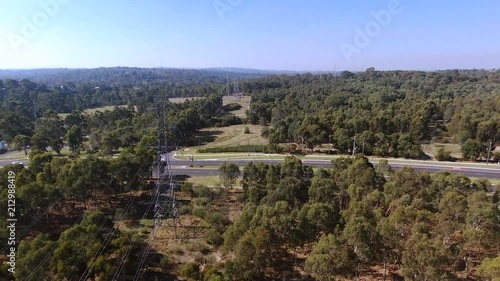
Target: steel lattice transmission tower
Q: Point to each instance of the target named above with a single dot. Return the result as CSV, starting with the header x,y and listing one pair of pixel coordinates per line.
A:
x,y
165,204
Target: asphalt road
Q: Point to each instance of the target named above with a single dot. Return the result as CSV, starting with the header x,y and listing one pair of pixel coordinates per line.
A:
x,y
8,162
181,167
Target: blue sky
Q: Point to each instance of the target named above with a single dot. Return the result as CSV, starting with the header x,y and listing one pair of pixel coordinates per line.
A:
x,y
262,34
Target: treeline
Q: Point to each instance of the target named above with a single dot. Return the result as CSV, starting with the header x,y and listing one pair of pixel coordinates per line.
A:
x,y
30,100
354,219
23,101
108,131
388,113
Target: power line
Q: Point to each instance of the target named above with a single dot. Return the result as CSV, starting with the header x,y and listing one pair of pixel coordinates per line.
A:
x,y
47,257
165,203
109,235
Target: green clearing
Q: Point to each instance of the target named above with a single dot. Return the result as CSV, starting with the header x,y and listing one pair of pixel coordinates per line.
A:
x,y
432,149
210,181
94,110
110,107
13,155
244,101
205,180
200,156
229,137
102,109
181,100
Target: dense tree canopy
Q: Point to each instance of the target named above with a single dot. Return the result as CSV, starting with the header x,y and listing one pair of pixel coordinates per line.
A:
x,y
425,227
385,113
347,221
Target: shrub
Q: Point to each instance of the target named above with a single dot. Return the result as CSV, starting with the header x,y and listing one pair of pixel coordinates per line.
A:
x,y
273,148
199,211
185,210
187,187
179,251
265,132
164,262
202,201
215,277
213,237
246,130
443,155
496,156
202,191
212,272
227,120
217,220
191,271
200,247
232,106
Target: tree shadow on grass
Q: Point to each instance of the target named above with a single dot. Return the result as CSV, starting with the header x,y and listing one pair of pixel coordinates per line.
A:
x,y
204,137
156,267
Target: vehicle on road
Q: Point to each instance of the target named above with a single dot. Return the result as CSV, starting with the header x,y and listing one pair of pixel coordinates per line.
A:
x,y
3,147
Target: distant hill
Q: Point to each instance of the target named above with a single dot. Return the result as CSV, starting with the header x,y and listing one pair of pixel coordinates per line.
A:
x,y
251,70
137,75
261,71
129,75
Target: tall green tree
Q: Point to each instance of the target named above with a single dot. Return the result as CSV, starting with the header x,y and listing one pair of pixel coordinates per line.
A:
x,y
74,138
229,173
472,149
49,131
331,257
424,259
31,255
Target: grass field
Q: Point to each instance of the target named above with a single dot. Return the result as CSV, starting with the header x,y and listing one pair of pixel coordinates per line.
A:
x,y
207,181
230,136
211,181
19,155
252,156
181,100
110,107
431,149
243,101
93,110
13,155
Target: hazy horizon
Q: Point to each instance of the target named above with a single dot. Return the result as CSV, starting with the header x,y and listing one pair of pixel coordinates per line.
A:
x,y
230,68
